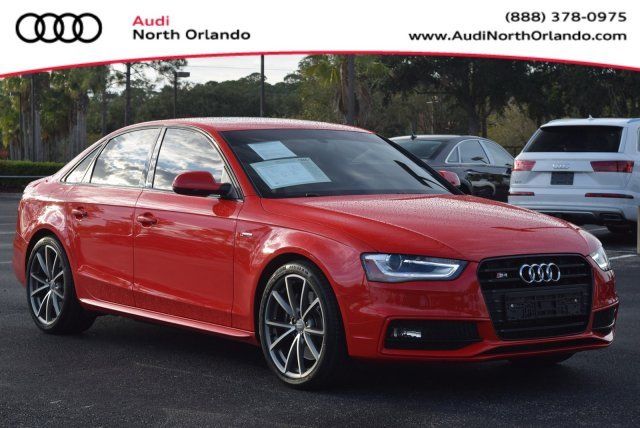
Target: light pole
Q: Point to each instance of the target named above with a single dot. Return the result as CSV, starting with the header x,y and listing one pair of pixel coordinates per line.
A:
x,y
433,111
177,74
127,95
262,108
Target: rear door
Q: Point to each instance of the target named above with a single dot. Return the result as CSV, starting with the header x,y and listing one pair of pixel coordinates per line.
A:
x,y
501,166
184,245
100,210
472,164
575,156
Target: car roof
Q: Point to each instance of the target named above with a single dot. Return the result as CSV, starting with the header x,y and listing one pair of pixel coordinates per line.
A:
x,y
246,123
592,121
436,137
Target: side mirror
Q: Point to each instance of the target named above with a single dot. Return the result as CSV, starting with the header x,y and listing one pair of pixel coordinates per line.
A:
x,y
199,183
451,177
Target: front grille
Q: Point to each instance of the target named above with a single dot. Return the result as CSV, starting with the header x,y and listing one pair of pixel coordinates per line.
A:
x,y
520,310
431,334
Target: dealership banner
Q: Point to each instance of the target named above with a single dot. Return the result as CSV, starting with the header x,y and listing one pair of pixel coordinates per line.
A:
x,y
43,35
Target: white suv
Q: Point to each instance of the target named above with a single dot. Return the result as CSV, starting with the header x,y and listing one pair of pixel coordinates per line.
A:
x,y
583,170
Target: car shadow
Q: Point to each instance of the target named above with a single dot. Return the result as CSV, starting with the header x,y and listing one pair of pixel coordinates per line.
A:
x,y
188,353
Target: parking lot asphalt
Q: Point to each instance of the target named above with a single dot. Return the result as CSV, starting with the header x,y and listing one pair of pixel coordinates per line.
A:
x,y
125,372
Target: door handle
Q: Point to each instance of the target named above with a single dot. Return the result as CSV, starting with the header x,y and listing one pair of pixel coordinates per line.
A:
x,y
146,219
79,213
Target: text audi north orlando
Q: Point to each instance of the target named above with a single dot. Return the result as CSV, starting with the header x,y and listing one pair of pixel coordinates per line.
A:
x,y
316,241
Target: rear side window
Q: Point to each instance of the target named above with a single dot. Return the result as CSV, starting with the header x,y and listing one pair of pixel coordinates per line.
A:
x,y
576,139
77,174
424,149
472,152
500,156
454,157
123,160
184,150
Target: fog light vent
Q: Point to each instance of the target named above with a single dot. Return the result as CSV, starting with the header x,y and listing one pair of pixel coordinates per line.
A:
x,y
430,334
603,321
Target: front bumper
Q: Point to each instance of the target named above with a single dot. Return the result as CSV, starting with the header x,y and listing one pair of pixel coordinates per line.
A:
x,y
462,301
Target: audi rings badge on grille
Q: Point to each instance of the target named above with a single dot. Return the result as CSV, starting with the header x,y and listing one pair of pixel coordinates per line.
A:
x,y
544,272
51,28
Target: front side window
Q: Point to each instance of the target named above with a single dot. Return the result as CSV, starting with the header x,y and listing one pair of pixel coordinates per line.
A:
x,y
472,152
285,163
77,174
123,160
183,150
500,156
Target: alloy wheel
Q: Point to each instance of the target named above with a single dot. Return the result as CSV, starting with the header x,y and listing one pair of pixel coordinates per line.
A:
x,y
46,285
294,326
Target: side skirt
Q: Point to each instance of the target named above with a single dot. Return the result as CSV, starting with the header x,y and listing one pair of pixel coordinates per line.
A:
x,y
160,318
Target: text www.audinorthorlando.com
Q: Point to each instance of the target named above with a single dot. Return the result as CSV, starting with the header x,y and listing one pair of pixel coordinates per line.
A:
x,y
518,36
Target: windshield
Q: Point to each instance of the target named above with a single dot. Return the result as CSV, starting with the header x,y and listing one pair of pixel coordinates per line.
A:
x,y
590,138
424,149
284,163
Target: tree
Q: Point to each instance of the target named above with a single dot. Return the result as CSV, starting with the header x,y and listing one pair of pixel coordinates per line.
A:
x,y
135,75
77,84
329,72
10,95
551,91
479,86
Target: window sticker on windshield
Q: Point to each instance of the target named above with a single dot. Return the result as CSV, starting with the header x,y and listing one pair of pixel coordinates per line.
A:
x,y
272,150
289,172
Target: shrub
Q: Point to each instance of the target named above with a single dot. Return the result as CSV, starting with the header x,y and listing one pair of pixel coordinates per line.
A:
x,y
31,170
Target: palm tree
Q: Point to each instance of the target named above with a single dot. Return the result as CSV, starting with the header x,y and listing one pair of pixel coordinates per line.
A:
x,y
78,84
330,71
24,128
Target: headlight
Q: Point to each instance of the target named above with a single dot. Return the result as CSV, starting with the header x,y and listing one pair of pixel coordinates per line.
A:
x,y
600,257
401,268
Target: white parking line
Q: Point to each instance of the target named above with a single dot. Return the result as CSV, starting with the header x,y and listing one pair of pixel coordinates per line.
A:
x,y
5,263
624,256
8,233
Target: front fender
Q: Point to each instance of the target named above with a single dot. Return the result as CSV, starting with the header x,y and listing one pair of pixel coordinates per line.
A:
x,y
340,264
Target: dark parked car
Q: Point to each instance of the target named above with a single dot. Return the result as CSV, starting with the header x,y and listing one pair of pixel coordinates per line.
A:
x,y
483,166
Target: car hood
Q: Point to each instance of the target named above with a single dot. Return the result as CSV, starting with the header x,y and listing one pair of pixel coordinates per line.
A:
x,y
449,226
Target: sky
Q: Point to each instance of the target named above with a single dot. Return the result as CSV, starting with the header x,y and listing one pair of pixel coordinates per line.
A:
x,y
219,69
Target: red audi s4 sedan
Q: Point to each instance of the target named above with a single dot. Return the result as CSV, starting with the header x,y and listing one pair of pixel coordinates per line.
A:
x,y
317,242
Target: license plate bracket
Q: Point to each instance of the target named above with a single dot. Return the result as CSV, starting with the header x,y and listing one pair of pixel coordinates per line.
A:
x,y
562,178
528,306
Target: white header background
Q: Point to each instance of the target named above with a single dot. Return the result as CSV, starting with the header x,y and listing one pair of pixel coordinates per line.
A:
x,y
327,26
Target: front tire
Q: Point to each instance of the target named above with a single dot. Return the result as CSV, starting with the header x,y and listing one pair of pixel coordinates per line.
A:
x,y
51,295
300,327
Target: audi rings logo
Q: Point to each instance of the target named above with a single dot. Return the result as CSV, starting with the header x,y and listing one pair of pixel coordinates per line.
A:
x,y
65,28
544,272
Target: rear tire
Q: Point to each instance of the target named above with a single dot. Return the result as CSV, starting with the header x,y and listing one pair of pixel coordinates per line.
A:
x,y
540,361
51,295
300,327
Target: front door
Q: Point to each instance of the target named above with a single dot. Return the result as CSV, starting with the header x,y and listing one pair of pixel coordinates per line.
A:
x,y
183,247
